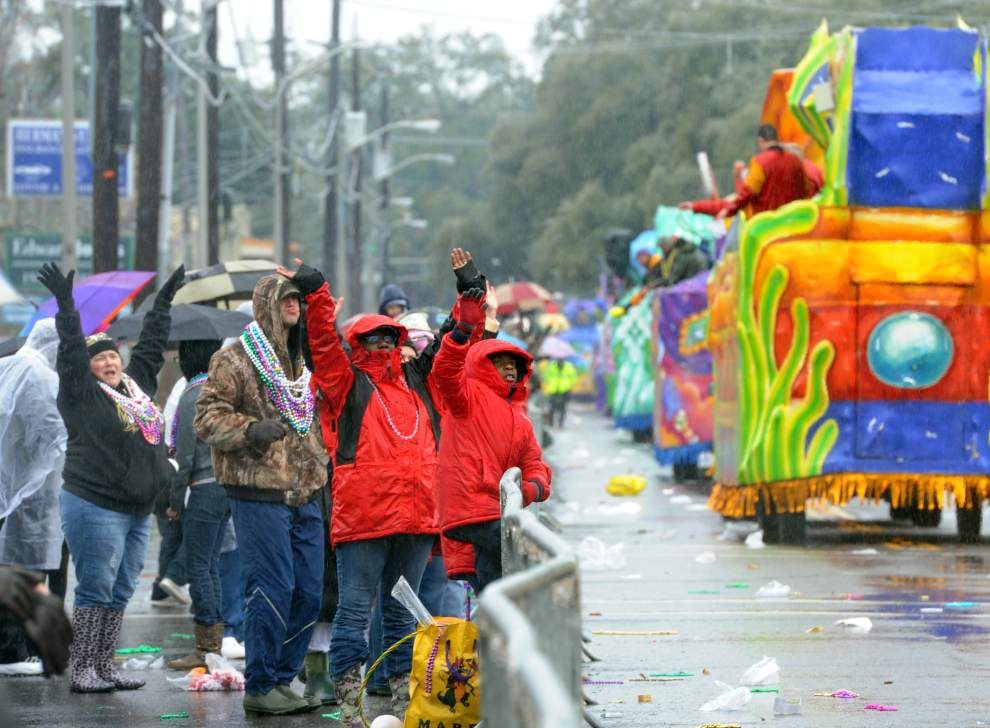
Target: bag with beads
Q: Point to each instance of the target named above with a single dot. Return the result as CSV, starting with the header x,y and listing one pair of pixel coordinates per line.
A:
x,y
445,685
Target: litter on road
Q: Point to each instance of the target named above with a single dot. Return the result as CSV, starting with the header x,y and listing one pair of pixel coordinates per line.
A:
x,y
881,708
705,557
730,699
773,590
855,625
635,633
764,672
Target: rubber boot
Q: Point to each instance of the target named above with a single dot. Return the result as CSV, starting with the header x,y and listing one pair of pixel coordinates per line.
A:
x,y
348,692
274,702
399,684
318,682
87,627
196,658
105,665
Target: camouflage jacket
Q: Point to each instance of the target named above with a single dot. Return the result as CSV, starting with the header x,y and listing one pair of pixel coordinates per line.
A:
x,y
290,470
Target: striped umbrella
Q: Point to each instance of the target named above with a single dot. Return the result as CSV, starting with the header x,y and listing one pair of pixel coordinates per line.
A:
x,y
234,279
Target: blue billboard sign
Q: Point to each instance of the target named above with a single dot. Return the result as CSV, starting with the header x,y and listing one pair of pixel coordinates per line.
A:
x,y
34,160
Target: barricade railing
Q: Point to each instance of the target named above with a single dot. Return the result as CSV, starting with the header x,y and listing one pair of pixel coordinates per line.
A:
x,y
530,624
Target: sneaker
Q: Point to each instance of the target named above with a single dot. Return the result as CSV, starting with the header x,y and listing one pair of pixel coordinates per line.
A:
x,y
232,649
31,666
175,591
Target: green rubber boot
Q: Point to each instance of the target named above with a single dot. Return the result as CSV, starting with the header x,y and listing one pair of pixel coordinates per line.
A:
x,y
318,683
274,702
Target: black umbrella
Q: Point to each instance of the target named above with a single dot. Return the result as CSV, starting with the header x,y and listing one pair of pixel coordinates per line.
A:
x,y
11,345
189,321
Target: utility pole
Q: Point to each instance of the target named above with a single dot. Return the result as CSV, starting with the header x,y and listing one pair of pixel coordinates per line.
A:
x,y
330,264
212,144
68,139
281,177
357,243
106,100
149,176
384,191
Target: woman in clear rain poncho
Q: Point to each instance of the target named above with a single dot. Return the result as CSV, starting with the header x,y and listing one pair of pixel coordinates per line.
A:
x,y
32,450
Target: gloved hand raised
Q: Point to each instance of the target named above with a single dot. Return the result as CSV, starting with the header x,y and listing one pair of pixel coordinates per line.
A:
x,y
308,279
263,433
50,276
467,273
171,287
471,309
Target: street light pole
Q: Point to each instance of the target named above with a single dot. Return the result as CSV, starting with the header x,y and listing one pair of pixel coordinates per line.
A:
x,y
280,178
68,139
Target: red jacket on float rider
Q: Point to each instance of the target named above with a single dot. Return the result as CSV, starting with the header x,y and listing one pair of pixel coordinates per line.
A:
x,y
385,428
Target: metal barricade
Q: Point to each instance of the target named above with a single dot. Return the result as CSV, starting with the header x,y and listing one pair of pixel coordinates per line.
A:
x,y
530,624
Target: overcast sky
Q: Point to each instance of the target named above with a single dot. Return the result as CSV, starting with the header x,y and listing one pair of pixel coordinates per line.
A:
x,y
381,21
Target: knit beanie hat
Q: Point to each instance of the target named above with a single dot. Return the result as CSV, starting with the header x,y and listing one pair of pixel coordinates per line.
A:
x,y
98,343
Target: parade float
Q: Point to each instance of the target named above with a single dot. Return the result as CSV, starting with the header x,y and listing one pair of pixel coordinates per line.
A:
x,y
850,332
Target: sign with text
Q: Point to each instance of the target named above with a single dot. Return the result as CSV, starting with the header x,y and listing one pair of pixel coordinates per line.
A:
x,y
24,253
34,160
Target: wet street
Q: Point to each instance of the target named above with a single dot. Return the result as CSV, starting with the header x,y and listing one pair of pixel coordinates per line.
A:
x,y
671,610
681,596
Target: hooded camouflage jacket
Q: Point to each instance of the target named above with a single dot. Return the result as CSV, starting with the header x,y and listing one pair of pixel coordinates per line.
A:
x,y
290,470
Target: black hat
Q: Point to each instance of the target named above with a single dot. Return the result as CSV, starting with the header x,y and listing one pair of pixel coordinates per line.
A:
x,y
98,343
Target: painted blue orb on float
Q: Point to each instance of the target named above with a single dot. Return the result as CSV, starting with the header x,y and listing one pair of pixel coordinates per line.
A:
x,y
910,350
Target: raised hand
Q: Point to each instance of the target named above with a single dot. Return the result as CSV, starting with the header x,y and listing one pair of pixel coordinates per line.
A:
x,y
171,286
471,308
468,275
307,278
491,301
50,276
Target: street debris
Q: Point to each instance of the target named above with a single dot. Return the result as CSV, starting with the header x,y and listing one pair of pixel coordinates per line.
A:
x,y
730,699
622,485
181,715
960,605
881,708
678,500
773,590
817,629
737,585
139,650
635,633
755,540
764,672
672,674
844,694
786,706
705,557
594,555
865,552
856,625
645,698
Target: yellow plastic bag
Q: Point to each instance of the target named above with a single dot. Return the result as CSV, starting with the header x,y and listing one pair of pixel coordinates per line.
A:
x,y
626,485
445,685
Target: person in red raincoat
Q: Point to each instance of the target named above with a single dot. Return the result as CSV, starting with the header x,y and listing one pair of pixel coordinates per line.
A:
x,y
383,522
486,431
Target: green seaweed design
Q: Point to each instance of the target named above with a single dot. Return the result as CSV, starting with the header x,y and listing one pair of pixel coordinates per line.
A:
x,y
773,427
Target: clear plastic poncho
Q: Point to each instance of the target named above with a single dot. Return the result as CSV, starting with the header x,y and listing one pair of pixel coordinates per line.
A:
x,y
32,453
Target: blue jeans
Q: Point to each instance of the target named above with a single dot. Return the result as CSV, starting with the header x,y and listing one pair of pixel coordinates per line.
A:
x,y
107,550
204,521
171,553
282,556
361,567
232,594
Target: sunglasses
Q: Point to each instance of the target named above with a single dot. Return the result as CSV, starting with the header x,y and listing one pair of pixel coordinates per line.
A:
x,y
387,338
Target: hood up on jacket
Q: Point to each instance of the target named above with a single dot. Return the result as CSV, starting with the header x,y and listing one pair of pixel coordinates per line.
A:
x,y
479,366
390,294
376,364
287,342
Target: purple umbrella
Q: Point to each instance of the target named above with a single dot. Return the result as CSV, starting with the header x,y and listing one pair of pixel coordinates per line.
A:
x,y
99,298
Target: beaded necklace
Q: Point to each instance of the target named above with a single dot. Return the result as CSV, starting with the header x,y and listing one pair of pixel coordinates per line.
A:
x,y
293,399
388,414
138,410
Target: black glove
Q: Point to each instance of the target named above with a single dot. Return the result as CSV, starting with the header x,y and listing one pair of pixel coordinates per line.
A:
x,y
264,433
468,277
172,285
50,631
308,279
50,276
17,590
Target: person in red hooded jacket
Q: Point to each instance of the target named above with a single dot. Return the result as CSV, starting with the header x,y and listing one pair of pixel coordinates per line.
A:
x,y
486,431
383,522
